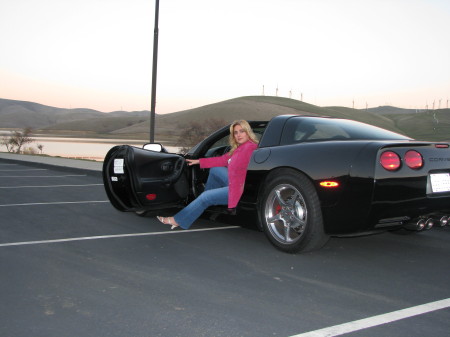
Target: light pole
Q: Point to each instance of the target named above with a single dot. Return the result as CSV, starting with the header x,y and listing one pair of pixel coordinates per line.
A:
x,y
154,71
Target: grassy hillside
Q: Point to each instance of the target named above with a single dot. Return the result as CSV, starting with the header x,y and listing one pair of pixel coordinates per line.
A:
x,y
254,108
14,114
102,125
416,125
21,114
423,125
431,125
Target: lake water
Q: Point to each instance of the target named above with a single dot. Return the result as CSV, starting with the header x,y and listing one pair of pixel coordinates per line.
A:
x,y
85,148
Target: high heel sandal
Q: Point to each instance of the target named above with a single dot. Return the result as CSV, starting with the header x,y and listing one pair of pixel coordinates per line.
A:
x,y
166,221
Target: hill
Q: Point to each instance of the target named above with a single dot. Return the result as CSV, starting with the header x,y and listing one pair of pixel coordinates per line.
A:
x,y
392,110
21,114
250,108
424,125
433,125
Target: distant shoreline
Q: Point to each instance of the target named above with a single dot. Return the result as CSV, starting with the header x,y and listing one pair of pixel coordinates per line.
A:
x,y
79,148
77,136
88,140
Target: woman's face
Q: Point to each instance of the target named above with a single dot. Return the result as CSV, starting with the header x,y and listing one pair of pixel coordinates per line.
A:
x,y
240,136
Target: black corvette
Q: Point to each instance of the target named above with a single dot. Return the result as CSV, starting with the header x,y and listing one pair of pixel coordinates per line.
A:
x,y
309,178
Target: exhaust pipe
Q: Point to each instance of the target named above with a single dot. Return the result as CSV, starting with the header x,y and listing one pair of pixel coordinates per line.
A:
x,y
416,226
429,223
443,221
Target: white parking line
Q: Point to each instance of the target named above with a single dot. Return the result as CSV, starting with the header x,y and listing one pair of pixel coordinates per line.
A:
x,y
51,186
365,323
113,236
69,175
55,203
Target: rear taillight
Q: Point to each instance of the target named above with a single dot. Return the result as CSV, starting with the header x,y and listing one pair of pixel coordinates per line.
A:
x,y
441,146
413,159
390,161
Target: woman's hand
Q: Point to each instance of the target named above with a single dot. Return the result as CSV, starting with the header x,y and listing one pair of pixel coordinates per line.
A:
x,y
193,162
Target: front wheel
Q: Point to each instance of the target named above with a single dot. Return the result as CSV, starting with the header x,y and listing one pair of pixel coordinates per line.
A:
x,y
290,212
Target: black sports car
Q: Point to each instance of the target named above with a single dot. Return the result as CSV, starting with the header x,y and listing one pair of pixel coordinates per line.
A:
x,y
309,178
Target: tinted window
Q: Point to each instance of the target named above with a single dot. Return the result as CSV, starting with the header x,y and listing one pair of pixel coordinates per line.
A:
x,y
221,146
308,129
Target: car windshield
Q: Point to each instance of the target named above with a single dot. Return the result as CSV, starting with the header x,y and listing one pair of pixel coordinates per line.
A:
x,y
307,129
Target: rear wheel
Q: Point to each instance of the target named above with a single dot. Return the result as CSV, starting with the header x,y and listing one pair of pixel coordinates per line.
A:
x,y
290,212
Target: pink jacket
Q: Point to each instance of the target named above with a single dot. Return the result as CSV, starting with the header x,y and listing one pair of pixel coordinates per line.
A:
x,y
237,165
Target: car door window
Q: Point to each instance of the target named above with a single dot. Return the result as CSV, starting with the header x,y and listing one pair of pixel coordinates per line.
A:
x,y
218,148
222,146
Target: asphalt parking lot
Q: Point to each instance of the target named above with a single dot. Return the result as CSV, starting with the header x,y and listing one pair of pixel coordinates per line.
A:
x,y
72,265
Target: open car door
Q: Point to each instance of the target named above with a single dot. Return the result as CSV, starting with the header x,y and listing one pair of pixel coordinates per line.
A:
x,y
137,179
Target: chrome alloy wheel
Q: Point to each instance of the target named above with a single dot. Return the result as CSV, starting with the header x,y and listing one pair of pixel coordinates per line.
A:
x,y
286,214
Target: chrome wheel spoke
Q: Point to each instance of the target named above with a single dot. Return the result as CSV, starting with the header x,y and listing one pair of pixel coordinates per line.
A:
x,y
292,199
287,231
298,222
280,198
274,218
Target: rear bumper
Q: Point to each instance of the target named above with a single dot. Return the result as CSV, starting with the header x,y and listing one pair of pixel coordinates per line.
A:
x,y
405,200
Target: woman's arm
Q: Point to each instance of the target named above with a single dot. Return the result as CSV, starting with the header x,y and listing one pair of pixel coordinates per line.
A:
x,y
193,161
214,161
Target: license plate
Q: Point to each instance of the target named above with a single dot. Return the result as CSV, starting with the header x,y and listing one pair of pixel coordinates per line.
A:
x,y
440,182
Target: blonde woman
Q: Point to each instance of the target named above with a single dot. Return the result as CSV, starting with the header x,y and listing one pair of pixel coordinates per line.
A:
x,y
226,178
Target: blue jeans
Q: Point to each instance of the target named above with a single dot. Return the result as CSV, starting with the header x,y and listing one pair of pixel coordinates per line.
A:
x,y
216,193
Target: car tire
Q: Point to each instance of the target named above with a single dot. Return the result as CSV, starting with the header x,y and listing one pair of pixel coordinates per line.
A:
x,y
290,212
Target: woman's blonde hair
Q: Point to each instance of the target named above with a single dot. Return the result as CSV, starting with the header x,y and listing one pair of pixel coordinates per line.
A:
x,y
247,128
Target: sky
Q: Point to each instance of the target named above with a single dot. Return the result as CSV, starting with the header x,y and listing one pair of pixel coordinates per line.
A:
x,y
98,53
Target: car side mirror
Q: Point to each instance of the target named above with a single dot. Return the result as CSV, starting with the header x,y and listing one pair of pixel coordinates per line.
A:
x,y
156,147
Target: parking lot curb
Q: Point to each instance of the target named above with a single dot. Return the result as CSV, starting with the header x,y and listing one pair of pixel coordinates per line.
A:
x,y
63,164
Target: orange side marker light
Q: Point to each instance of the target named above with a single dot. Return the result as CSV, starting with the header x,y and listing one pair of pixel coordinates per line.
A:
x,y
329,184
